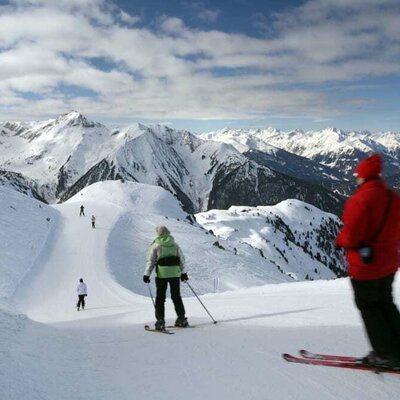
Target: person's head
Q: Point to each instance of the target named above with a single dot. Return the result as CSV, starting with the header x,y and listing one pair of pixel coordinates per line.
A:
x,y
370,168
162,230
81,280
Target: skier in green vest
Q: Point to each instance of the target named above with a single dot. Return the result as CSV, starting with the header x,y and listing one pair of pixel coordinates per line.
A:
x,y
166,256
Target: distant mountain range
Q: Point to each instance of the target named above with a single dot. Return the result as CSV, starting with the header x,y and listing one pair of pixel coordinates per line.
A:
x,y
55,159
332,154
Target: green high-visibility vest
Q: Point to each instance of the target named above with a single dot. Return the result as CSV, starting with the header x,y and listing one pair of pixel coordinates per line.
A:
x,y
168,252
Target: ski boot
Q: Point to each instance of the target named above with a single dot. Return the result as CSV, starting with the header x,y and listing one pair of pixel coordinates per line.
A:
x,y
181,322
372,359
159,325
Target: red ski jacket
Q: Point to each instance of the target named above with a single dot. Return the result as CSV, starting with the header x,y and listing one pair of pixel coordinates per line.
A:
x,y
363,214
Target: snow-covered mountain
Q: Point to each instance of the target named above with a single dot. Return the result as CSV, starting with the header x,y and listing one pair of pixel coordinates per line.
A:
x,y
54,153
202,174
18,182
338,150
294,165
294,236
63,156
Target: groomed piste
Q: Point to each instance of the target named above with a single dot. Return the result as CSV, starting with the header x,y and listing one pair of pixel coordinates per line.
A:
x,y
50,351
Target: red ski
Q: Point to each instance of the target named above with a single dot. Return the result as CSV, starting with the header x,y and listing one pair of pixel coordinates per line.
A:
x,y
328,357
356,365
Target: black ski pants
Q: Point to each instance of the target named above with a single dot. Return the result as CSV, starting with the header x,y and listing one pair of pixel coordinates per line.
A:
x,y
380,315
175,288
81,300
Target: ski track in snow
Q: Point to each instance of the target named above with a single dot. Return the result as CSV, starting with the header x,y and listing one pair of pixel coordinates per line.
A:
x,y
104,353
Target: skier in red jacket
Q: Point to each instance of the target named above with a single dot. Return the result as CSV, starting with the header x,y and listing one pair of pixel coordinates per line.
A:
x,y
371,236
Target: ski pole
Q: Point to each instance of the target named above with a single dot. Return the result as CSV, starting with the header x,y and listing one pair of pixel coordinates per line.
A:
x,y
151,295
201,302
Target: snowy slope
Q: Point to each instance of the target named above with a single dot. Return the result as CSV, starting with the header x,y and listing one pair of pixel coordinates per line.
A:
x,y
294,236
112,357
126,217
26,228
103,353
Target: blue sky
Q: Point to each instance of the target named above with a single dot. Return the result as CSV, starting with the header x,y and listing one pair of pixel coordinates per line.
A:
x,y
204,65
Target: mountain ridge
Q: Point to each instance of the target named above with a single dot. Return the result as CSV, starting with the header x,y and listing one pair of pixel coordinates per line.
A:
x,y
63,155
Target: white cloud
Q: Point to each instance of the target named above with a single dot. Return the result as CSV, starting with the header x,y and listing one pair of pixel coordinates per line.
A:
x,y
172,25
173,71
209,15
201,12
127,18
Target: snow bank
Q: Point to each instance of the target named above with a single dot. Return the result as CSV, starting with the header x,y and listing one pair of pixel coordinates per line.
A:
x,y
25,226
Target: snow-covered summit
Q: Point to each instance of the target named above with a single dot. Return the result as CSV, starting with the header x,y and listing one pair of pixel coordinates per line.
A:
x,y
54,153
331,147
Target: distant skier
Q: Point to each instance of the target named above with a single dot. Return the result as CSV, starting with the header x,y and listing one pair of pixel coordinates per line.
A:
x,y
82,211
82,293
93,221
166,256
371,235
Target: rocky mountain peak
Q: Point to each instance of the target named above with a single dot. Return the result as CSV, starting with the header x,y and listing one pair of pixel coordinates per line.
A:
x,y
74,118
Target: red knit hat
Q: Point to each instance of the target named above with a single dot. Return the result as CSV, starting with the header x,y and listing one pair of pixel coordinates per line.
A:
x,y
370,168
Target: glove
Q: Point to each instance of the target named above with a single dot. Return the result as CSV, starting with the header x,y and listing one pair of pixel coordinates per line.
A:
x,y
184,278
146,279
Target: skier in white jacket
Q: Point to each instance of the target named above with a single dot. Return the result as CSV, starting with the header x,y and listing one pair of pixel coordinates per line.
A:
x,y
82,293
